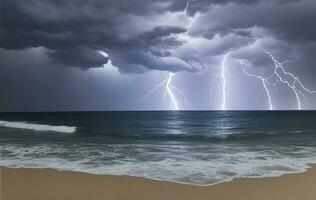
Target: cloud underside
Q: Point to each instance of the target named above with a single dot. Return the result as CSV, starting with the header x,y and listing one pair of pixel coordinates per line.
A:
x,y
140,35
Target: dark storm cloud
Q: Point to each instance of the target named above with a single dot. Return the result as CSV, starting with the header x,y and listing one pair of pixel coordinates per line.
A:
x,y
202,6
132,34
288,20
284,27
159,32
77,57
78,29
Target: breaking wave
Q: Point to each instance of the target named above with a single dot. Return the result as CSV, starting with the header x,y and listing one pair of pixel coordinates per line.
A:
x,y
38,127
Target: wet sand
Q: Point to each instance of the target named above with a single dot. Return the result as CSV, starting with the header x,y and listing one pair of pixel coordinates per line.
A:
x,y
48,184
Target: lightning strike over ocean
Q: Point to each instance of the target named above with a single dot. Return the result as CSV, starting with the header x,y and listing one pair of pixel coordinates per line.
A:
x,y
223,76
265,84
169,90
158,99
170,93
292,84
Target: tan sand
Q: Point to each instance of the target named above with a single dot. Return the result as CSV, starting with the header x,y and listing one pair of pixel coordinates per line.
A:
x,y
46,184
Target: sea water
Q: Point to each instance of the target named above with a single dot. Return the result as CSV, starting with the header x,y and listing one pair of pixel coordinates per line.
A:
x,y
191,147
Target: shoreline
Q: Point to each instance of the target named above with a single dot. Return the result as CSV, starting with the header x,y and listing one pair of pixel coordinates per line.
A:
x,y
22,183
304,170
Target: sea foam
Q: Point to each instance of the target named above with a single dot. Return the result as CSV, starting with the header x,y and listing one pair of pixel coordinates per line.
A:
x,y
38,127
186,168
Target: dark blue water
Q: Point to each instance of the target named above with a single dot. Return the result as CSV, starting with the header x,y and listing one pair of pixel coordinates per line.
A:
x,y
195,147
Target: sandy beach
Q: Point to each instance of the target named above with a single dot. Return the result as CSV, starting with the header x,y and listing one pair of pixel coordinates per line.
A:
x,y
48,184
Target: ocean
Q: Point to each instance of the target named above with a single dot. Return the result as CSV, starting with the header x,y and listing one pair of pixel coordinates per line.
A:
x,y
190,147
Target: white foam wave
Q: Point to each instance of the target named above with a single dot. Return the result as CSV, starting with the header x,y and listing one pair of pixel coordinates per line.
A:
x,y
37,127
194,168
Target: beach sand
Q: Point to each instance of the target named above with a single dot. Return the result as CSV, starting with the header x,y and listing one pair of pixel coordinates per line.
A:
x,y
40,184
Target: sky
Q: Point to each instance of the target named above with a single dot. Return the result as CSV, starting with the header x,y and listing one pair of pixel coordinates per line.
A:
x,y
80,55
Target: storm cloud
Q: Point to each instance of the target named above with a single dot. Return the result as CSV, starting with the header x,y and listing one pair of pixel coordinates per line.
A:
x,y
142,35
78,29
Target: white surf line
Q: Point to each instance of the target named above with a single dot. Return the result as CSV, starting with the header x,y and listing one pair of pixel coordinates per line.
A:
x,y
38,127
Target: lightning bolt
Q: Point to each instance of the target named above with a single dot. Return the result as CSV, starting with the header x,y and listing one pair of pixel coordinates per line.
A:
x,y
294,84
185,12
265,82
223,77
170,88
150,92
